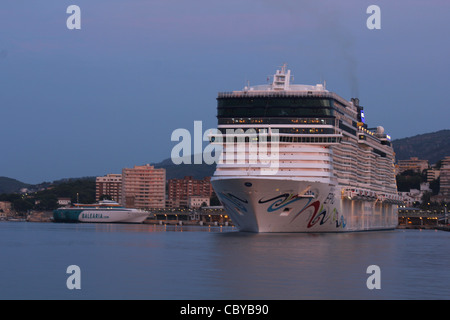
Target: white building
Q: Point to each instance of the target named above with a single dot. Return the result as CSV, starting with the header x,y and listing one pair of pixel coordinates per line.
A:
x,y
64,201
197,202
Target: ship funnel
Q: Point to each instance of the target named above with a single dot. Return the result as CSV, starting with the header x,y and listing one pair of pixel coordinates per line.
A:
x,y
355,101
281,79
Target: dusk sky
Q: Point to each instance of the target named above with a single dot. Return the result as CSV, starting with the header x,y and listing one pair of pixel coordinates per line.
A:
x,y
92,101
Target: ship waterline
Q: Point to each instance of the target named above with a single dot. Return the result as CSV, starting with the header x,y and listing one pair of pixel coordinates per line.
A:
x,y
330,173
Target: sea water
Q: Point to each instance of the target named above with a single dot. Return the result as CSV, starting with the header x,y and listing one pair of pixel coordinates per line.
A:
x,y
154,262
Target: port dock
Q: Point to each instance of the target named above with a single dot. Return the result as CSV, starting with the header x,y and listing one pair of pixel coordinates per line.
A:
x,y
415,218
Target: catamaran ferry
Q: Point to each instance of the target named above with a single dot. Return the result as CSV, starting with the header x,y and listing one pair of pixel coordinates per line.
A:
x,y
105,211
333,172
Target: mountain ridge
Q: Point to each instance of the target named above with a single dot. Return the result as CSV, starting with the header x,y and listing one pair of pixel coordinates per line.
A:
x,y
9,184
433,146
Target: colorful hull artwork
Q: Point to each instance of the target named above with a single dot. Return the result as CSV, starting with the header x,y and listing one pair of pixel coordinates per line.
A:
x,y
271,205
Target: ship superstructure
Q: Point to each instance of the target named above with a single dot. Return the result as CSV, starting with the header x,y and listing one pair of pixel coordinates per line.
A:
x,y
298,158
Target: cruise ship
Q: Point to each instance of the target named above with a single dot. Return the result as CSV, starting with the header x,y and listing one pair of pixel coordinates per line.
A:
x,y
105,211
299,158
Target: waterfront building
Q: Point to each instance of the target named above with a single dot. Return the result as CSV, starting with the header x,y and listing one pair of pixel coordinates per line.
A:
x,y
64,201
415,195
445,179
143,187
109,185
411,198
413,163
195,202
425,187
5,208
179,190
433,174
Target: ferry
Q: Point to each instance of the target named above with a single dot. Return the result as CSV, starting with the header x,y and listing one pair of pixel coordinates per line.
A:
x,y
322,169
105,211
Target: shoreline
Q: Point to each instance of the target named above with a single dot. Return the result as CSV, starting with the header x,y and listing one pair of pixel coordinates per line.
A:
x,y
195,223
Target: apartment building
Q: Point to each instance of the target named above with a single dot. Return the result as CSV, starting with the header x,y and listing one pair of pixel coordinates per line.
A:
x,y
143,187
180,190
445,179
109,185
413,163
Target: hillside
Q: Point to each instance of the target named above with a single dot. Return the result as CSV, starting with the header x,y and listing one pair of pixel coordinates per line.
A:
x,y
80,189
429,146
198,171
8,185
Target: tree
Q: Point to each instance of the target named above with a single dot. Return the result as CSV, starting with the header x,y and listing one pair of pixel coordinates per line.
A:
x,y
435,186
47,200
214,201
409,179
22,205
47,203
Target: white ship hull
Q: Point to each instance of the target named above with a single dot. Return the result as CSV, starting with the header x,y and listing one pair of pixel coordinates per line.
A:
x,y
108,216
281,205
99,215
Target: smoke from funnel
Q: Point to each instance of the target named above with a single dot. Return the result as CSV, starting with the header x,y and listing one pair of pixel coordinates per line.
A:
x,y
342,43
324,22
